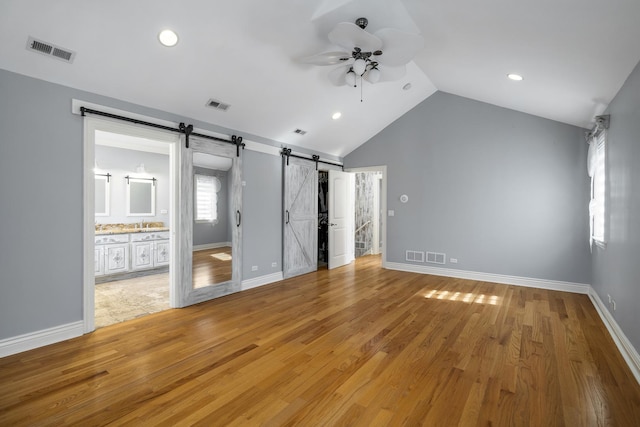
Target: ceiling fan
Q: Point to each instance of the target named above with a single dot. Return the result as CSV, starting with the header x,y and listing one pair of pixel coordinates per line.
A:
x,y
373,57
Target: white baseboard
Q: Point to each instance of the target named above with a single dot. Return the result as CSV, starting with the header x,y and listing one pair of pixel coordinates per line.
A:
x,y
627,350
262,280
553,285
211,246
37,339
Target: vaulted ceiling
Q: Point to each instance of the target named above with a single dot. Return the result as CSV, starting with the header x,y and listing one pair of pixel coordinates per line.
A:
x,y
574,56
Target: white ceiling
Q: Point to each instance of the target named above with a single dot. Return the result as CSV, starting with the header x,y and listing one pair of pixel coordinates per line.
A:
x,y
574,56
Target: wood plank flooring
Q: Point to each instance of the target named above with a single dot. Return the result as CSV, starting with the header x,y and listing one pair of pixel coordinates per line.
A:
x,y
211,266
356,346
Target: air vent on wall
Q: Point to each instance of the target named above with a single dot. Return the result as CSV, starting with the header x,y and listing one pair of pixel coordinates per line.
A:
x,y
300,131
218,105
436,257
50,49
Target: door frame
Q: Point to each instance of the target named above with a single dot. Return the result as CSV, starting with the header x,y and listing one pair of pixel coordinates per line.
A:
x,y
91,125
383,203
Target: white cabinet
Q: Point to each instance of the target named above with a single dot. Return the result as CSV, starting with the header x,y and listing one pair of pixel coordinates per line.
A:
x,y
116,258
161,253
118,253
111,254
98,261
141,255
149,250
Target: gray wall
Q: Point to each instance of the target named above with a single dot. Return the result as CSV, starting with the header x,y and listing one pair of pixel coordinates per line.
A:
x,y
41,202
616,270
261,214
502,191
120,162
205,233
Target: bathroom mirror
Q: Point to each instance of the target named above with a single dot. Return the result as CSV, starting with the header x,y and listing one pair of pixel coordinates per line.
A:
x,y
102,194
141,196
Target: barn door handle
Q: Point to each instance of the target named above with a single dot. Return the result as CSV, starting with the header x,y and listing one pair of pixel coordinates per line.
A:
x,y
287,217
238,218
332,224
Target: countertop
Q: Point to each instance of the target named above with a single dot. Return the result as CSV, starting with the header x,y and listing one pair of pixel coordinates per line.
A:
x,y
129,230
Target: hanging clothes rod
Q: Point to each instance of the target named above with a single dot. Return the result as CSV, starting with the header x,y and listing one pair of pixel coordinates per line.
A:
x,y
314,158
185,129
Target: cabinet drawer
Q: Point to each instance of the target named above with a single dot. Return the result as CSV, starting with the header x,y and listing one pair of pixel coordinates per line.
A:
x,y
111,238
153,235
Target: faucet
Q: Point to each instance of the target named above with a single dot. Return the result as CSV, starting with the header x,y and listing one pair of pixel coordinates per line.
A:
x,y
141,223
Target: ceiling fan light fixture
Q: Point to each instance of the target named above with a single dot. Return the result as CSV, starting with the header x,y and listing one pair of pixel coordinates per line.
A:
x,y
350,78
359,66
373,75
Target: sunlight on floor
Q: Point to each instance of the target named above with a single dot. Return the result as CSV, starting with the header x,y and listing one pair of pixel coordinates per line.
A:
x,y
222,257
459,296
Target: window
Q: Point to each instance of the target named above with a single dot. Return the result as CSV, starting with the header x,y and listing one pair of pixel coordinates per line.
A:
x,y
206,199
598,189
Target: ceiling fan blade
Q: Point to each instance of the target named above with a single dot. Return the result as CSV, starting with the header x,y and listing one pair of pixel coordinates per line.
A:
x,y
399,47
337,75
390,74
327,58
348,36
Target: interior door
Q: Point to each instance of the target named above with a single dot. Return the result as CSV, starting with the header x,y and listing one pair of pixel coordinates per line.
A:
x,y
341,219
300,251
193,291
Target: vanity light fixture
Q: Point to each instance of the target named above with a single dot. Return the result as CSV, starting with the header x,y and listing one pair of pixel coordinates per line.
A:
x,y
168,38
336,115
515,77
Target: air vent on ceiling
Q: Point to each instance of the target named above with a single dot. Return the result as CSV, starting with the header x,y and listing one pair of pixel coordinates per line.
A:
x,y
218,105
300,131
50,50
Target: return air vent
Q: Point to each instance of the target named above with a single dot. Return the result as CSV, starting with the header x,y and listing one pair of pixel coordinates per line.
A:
x,y
300,132
415,256
218,105
51,50
436,257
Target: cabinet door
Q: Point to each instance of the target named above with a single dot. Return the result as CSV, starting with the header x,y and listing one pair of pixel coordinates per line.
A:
x,y
142,255
161,253
116,258
98,261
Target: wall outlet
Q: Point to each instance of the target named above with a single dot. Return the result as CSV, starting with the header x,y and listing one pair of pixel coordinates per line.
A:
x,y
254,268
453,260
274,264
613,304
609,296
391,213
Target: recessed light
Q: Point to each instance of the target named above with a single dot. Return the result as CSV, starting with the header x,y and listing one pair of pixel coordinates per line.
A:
x,y
407,86
515,77
336,115
168,38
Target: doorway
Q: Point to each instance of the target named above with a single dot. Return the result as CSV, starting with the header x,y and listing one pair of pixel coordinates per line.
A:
x,y
129,221
366,207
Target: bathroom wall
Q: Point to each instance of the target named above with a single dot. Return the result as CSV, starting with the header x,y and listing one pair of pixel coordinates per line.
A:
x,y
121,162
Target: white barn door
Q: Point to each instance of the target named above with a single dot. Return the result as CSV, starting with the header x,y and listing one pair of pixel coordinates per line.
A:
x,y
300,254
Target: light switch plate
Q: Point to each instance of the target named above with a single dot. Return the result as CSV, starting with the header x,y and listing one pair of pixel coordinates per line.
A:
x,y
392,213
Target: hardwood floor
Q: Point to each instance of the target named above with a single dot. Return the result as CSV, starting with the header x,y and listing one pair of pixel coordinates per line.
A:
x,y
357,346
211,266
